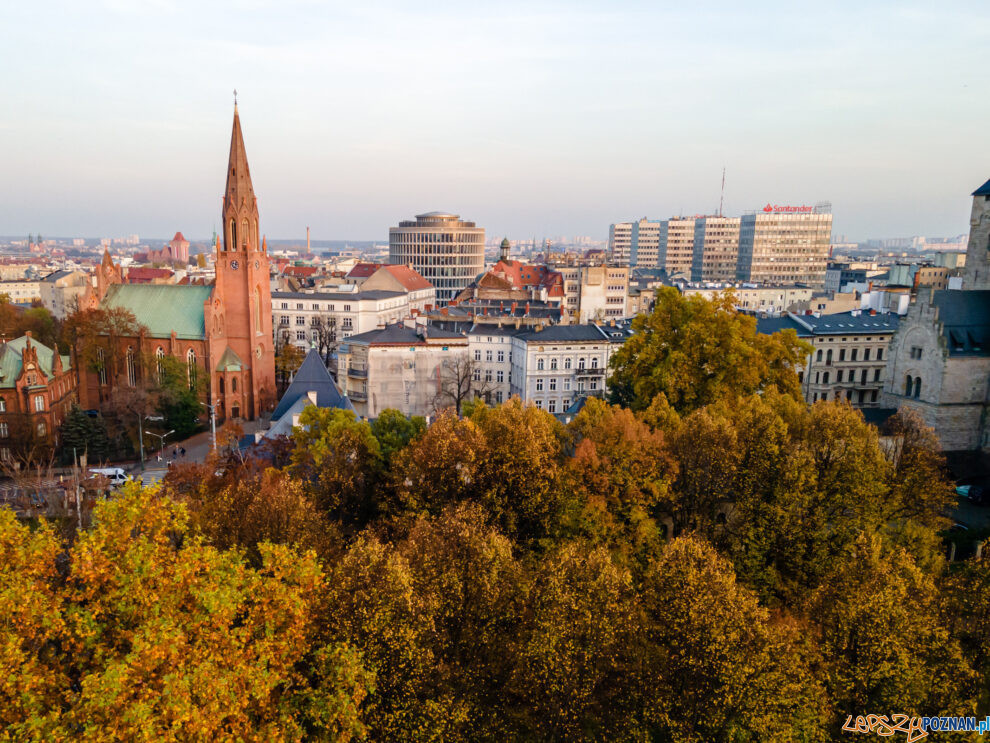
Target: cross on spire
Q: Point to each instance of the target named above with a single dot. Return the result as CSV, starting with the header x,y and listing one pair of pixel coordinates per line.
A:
x,y
235,97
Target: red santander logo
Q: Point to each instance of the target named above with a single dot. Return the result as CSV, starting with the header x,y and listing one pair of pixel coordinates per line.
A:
x,y
768,208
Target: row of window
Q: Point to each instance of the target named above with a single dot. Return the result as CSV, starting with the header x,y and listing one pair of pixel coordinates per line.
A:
x,y
346,323
565,384
552,404
499,376
541,365
42,429
837,395
315,307
853,353
863,377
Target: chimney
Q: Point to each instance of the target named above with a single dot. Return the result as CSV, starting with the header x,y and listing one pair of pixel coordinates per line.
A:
x,y
515,306
27,333
873,313
527,308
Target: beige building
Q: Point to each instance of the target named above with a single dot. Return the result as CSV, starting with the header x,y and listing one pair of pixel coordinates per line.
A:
x,y
446,251
62,291
784,247
716,249
850,356
761,300
677,247
596,293
620,243
21,291
397,367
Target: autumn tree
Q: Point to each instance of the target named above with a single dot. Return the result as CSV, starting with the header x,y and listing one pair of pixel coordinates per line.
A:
x,y
919,481
339,460
150,633
325,329
621,471
882,639
288,359
720,668
697,351
394,430
461,380
96,336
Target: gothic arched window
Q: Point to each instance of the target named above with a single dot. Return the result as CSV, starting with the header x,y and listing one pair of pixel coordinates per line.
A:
x,y
908,383
131,370
101,365
160,363
917,387
246,229
257,310
191,367
233,235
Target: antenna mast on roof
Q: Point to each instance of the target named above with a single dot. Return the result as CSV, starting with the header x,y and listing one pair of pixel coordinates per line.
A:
x,y
721,201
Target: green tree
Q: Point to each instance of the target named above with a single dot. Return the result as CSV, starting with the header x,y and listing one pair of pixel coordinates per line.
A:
x,y
81,434
394,430
178,397
697,351
339,460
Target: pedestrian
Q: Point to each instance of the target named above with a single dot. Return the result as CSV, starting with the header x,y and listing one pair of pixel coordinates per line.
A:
x,y
175,453
182,451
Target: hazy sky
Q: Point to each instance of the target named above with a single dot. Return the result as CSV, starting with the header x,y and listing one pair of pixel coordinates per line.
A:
x,y
531,118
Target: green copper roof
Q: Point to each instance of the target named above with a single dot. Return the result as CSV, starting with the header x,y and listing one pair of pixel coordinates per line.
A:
x,y
11,360
162,308
230,361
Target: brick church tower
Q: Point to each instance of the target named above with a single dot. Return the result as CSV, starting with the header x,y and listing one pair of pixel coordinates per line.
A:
x,y
240,320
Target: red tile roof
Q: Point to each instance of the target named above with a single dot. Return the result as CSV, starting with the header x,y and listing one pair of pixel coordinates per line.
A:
x,y
302,272
363,270
410,279
144,274
179,238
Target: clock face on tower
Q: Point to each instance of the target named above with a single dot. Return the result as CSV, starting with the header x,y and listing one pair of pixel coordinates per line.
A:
x,y
234,265
257,264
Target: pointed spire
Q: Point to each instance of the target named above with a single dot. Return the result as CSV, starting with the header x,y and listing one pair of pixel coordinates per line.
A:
x,y
239,189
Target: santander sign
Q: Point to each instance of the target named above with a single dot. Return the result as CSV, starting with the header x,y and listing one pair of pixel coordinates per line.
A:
x,y
777,209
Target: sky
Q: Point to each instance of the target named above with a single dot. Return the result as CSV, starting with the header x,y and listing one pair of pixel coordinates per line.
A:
x,y
531,118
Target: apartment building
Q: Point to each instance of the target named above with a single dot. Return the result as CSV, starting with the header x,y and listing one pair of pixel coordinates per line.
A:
x,y
850,354
21,291
296,316
62,291
596,293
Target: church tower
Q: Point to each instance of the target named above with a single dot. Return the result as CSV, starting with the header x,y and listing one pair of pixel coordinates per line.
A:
x,y
976,274
240,318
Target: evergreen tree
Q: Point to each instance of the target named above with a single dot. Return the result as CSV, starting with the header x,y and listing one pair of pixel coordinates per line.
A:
x,y
83,435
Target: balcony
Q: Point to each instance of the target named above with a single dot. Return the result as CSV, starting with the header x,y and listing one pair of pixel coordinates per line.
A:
x,y
591,373
357,395
357,371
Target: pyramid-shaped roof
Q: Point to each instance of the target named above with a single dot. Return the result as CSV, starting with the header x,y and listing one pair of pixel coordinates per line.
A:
x,y
983,190
312,377
230,361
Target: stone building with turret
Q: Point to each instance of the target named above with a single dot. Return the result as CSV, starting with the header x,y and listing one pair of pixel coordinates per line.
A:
x,y
940,356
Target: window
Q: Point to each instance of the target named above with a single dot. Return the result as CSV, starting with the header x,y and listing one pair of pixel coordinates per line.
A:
x,y
539,404
539,364
4,432
476,374
819,356
594,363
842,354
567,383
876,375
300,335
838,376
488,375
917,387
42,428
501,357
566,403
553,384
567,363
553,364
299,305
854,353
915,352
500,376
348,324
498,396
800,376
477,354
191,367
552,406
539,385
866,354
908,385
233,384
285,305
3,405
160,363
347,308
828,356
101,365
581,364
862,377
131,370
593,384
39,403
300,320
873,396
825,378
283,320
879,354
488,355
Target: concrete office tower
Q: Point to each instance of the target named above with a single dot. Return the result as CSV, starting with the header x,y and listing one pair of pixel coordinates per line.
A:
x,y
676,252
644,244
716,249
785,247
446,251
619,243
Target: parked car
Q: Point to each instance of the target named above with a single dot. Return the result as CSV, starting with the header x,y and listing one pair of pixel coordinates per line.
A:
x,y
974,493
115,475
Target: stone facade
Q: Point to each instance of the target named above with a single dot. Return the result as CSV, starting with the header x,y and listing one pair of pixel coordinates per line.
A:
x,y
977,272
946,384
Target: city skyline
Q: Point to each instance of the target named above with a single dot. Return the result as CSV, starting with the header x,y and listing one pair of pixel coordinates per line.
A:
x,y
532,120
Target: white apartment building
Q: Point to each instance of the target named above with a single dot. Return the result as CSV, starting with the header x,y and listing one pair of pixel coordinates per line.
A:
x,y
758,300
295,314
490,347
21,291
555,366
596,293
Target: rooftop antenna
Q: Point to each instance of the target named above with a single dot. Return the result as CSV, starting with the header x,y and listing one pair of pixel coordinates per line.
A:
x,y
721,200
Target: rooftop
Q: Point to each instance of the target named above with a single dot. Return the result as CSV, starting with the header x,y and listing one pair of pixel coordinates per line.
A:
x,y
312,376
162,308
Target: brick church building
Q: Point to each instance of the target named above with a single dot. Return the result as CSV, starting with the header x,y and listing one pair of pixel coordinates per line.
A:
x,y
223,330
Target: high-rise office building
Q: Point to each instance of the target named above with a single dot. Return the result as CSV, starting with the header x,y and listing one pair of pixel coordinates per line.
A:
x,y
446,251
716,249
785,245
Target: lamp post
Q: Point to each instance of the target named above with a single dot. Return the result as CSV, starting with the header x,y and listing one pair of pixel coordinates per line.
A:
x,y
161,438
213,420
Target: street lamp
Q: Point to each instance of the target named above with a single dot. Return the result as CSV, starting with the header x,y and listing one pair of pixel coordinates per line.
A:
x,y
213,420
161,438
